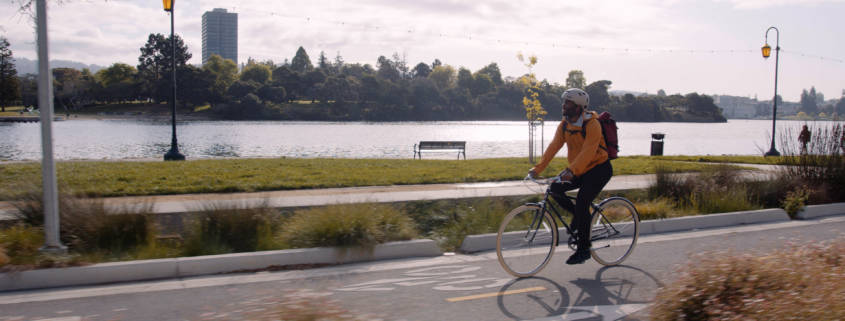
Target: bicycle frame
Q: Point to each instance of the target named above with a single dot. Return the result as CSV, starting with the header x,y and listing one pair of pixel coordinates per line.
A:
x,y
551,209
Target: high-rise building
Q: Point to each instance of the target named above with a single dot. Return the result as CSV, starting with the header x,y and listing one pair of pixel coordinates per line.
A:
x,y
220,34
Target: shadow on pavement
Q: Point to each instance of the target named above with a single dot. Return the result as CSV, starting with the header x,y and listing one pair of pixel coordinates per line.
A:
x,y
613,286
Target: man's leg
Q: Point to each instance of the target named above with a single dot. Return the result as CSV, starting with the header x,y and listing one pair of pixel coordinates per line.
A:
x,y
592,182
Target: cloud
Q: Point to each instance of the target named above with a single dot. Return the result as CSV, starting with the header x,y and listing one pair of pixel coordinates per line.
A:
x,y
762,4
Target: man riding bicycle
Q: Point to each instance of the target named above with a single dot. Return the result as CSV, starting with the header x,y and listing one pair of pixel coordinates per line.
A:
x,y
589,167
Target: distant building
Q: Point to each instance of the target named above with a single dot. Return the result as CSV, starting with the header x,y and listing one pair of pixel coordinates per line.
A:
x,y
737,107
220,34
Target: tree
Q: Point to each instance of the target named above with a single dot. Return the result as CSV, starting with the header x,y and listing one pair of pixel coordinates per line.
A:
x,y
9,84
273,94
117,82
310,81
493,71
599,96
481,84
154,64
576,79
808,101
840,106
224,72
258,73
387,69
29,90
661,93
443,76
240,89
421,70
301,63
288,79
72,87
464,79
195,85
323,63
401,64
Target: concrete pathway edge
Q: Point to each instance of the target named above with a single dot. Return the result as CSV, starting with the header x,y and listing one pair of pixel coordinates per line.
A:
x,y
210,264
814,211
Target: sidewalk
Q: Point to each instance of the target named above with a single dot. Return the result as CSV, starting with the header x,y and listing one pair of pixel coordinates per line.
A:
x,y
174,204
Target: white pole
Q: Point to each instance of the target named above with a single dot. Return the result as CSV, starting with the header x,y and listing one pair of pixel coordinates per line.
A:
x,y
52,244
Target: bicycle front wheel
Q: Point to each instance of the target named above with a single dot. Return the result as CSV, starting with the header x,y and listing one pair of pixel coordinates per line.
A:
x,y
614,232
526,240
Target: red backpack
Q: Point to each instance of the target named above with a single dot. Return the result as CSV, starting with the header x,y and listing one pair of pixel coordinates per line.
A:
x,y
608,131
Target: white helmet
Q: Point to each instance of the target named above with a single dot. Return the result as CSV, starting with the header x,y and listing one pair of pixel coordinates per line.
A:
x,y
577,96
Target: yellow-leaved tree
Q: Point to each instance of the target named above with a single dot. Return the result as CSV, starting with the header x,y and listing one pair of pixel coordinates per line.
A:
x,y
534,111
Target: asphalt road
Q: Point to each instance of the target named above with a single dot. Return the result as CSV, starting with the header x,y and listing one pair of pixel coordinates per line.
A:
x,y
450,287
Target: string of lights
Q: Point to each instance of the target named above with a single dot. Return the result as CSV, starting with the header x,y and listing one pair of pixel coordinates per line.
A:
x,y
554,45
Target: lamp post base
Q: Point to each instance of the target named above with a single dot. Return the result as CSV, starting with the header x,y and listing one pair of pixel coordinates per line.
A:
x,y
772,152
54,249
174,155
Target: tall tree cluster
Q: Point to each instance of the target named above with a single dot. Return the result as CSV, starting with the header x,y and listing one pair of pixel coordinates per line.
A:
x,y
9,84
390,90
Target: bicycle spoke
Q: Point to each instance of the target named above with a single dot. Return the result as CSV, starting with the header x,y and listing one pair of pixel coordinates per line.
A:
x,y
614,231
526,241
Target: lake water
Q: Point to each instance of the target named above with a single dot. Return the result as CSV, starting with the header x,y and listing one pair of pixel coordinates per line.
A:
x,y
131,139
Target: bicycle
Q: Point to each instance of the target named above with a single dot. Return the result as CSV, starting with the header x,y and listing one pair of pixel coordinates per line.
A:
x,y
530,229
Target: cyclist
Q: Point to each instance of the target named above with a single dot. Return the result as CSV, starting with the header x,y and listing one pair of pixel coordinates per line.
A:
x,y
589,167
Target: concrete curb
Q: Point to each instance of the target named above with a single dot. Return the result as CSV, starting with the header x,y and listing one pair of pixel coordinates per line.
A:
x,y
813,211
210,264
485,242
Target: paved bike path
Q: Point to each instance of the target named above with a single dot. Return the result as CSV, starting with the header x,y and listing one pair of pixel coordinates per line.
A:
x,y
457,287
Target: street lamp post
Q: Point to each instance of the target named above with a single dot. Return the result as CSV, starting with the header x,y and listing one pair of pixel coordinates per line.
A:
x,y
766,52
173,154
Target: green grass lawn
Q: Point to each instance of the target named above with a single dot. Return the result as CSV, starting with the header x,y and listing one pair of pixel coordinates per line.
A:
x,y
724,159
115,178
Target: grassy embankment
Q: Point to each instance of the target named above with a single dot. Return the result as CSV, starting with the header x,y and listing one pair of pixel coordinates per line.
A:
x,y
109,178
95,234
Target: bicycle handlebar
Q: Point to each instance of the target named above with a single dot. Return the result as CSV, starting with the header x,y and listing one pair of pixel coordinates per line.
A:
x,y
545,181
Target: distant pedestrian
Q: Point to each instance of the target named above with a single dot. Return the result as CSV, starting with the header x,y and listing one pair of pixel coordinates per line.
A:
x,y
804,139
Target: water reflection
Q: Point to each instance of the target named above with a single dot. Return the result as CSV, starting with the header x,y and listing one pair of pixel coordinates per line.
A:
x,y
222,150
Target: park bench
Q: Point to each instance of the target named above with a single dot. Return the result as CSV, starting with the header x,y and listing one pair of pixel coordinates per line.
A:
x,y
440,146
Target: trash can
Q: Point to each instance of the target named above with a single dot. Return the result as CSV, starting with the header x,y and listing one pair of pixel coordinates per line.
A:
x,y
657,144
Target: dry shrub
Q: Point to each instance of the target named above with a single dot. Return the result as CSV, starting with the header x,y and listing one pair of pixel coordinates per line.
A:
x,y
4,259
717,190
821,165
88,225
347,225
656,209
470,218
799,283
221,228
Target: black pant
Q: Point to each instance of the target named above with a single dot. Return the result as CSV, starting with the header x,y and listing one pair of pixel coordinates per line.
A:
x,y
589,186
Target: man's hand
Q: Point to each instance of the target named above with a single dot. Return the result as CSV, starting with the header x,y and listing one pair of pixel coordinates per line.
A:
x,y
566,175
531,174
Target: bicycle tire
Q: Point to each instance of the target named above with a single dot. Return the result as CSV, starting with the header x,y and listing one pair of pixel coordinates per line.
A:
x,y
519,245
614,231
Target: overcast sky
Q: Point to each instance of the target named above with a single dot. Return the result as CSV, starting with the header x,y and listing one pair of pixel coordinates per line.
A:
x,y
705,46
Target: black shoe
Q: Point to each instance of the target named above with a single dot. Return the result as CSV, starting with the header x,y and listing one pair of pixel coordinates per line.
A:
x,y
578,257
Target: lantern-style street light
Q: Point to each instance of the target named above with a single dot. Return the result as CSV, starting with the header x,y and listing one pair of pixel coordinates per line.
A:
x,y
767,51
173,154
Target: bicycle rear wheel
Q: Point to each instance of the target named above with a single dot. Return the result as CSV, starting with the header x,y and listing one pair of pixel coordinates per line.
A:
x,y
614,232
526,240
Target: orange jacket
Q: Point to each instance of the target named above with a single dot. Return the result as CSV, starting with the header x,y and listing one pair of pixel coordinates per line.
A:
x,y
583,153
